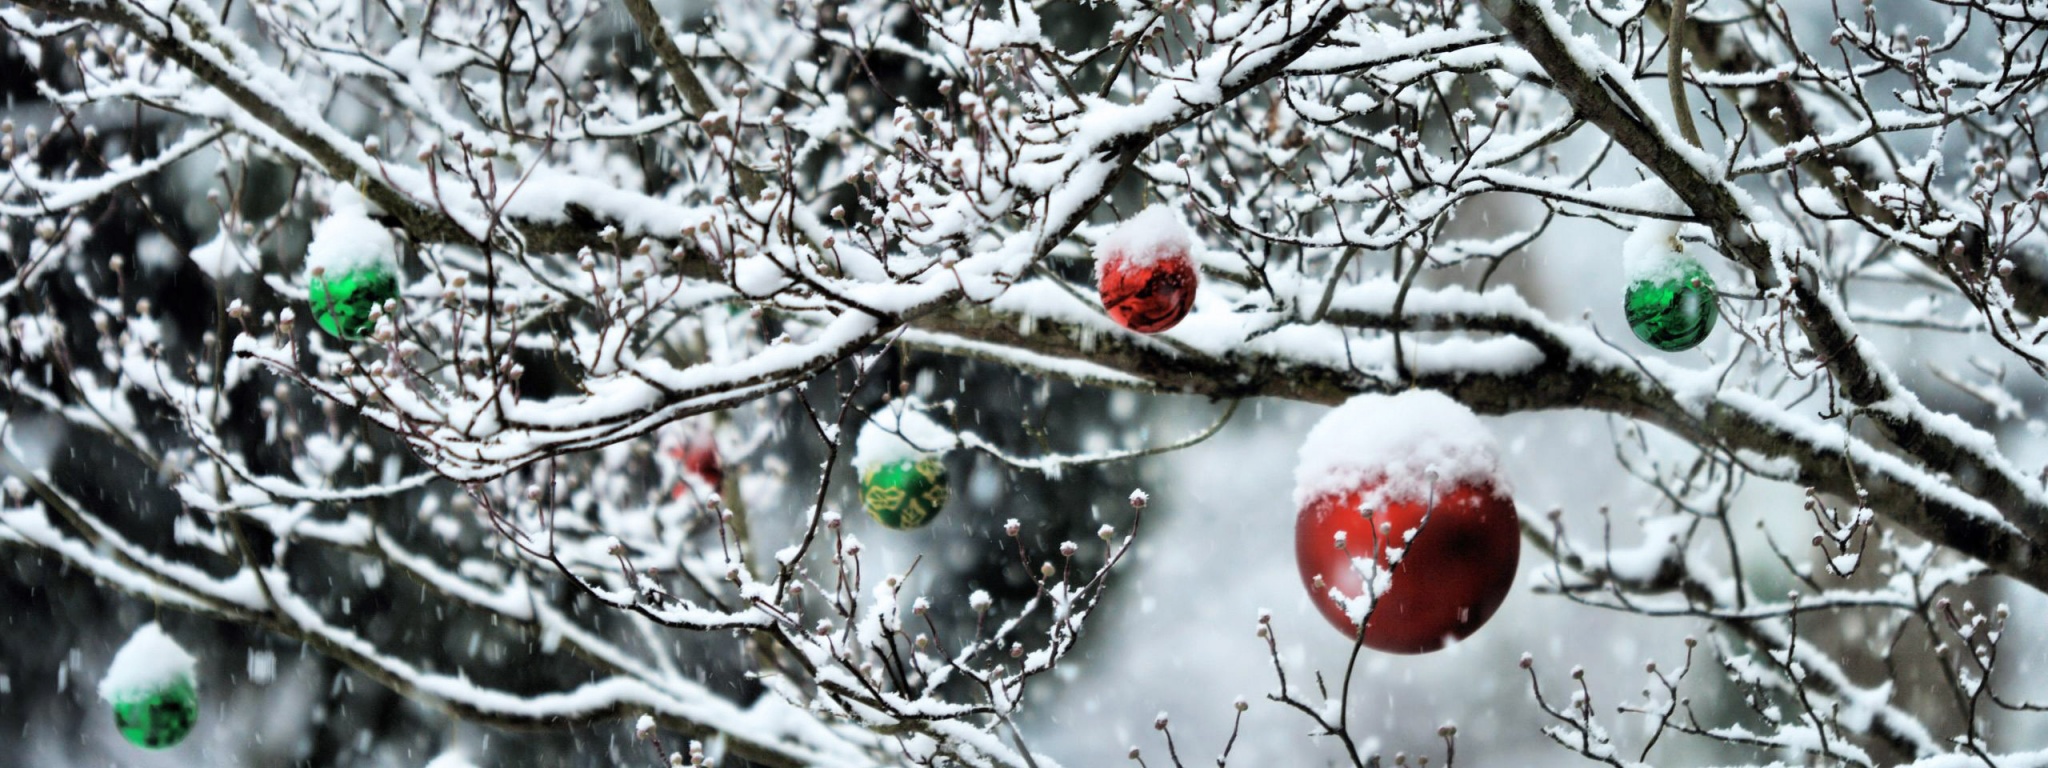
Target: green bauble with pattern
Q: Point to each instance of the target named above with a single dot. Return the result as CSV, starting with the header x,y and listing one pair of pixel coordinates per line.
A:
x,y
1676,310
342,301
907,493
160,717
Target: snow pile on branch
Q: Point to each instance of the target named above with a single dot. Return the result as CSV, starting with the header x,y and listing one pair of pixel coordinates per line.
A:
x,y
1155,233
1400,441
897,432
220,258
148,662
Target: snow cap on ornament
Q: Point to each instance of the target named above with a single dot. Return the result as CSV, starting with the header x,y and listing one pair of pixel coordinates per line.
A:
x,y
1145,271
351,267
1398,442
453,758
152,689
1405,522
903,482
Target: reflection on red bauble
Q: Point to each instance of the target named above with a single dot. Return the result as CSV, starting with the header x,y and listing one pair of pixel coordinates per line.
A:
x,y
1447,578
1149,297
1145,271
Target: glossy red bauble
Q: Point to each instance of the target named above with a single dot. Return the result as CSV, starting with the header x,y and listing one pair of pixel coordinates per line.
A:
x,y
1443,577
1145,271
1149,297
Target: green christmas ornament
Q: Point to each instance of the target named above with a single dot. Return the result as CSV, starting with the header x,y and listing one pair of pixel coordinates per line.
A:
x,y
351,266
150,685
342,302
907,493
160,718
1674,308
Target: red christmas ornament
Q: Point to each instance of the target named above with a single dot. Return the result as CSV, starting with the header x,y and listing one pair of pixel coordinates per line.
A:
x,y
1452,574
699,455
1145,273
1407,490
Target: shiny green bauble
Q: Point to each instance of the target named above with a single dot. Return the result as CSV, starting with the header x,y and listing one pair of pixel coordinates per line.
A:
x,y
1676,311
158,718
906,493
342,302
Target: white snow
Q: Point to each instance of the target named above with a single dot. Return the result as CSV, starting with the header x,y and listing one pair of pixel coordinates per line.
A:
x,y
348,239
220,258
155,252
453,758
1153,234
1653,253
149,661
1401,440
896,432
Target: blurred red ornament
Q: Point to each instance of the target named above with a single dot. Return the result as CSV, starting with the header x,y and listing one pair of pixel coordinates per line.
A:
x,y
1447,578
699,455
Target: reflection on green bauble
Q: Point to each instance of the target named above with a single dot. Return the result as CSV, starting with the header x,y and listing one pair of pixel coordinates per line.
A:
x,y
342,302
906,493
1676,312
159,718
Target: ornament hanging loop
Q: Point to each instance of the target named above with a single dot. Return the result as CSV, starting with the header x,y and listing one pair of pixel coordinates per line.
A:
x,y
1674,74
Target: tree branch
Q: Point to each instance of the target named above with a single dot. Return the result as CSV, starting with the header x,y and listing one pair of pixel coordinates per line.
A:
x,y
1939,441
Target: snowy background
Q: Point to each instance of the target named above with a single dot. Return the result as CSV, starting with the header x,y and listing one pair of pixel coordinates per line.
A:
x,y
1177,638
